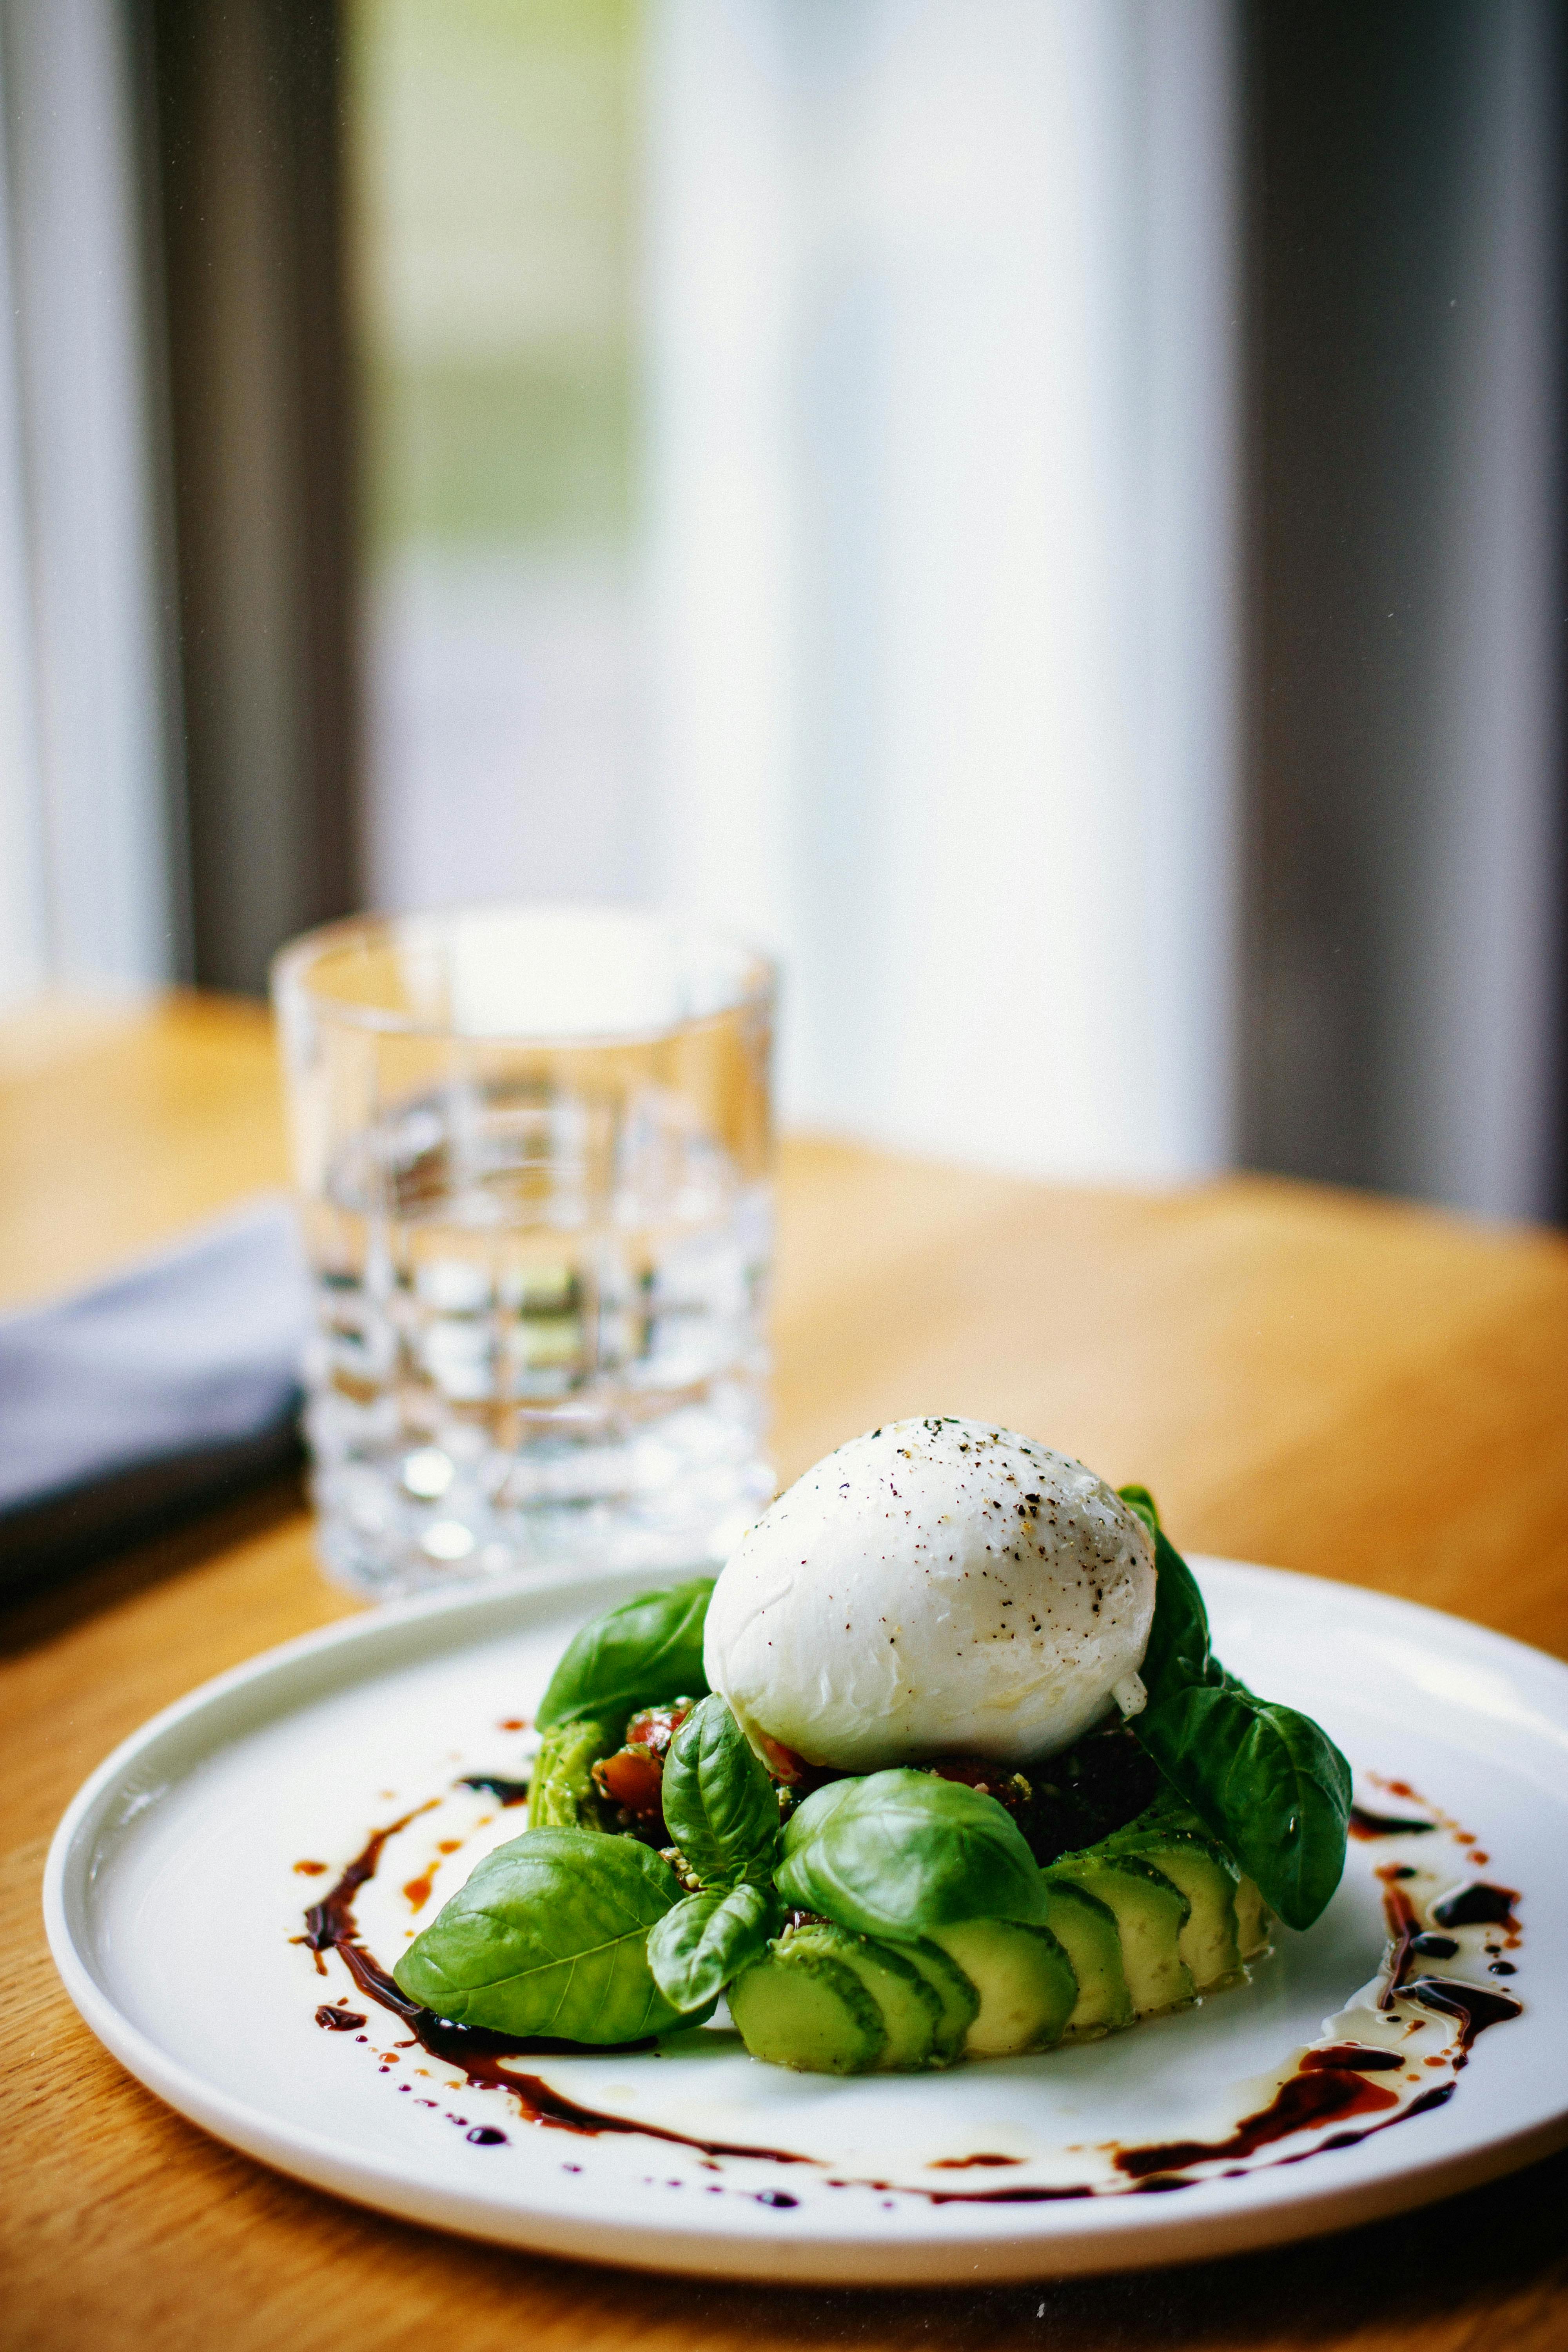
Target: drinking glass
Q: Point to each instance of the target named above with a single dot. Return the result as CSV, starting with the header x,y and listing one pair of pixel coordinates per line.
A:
x,y
534,1147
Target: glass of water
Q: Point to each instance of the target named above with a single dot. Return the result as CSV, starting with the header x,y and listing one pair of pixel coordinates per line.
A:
x,y
534,1149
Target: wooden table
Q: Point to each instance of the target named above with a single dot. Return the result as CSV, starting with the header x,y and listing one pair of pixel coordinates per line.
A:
x,y
1368,1391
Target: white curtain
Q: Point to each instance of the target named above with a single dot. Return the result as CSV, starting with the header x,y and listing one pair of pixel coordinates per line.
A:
x,y
941,569
91,876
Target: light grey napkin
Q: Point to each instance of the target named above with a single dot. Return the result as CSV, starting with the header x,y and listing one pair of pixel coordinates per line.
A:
x,y
175,1382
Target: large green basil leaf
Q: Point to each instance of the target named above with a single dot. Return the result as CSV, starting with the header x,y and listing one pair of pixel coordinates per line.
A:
x,y
550,1936
1267,1780
720,1806
560,1792
695,1949
1141,1503
900,1851
1178,1652
646,1650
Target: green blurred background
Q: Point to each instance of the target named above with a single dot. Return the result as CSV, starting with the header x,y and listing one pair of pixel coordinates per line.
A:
x,y
494,173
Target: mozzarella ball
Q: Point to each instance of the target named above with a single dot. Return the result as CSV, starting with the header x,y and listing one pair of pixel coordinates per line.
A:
x,y
937,1588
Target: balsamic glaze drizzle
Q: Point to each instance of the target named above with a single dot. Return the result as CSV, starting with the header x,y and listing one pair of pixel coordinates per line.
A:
x,y
1303,2099
1478,1905
1475,2006
1404,1929
1364,1825
493,1784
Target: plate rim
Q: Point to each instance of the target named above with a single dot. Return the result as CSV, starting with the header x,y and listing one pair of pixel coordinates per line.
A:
x,y
1046,2241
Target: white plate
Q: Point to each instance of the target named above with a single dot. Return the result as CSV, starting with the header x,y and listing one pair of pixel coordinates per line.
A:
x,y
171,1895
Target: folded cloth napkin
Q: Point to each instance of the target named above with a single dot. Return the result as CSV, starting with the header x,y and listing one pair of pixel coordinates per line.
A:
x,y
173,1384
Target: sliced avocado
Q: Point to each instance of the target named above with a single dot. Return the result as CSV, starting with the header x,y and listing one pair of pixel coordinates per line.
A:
x,y
1205,1875
911,2006
1024,1980
1169,1835
1252,1921
960,2001
561,1795
796,2007
1087,1931
1150,1917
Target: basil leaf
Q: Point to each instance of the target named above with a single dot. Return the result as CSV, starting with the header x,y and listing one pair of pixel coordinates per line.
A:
x,y
900,1851
549,1935
1267,1781
1178,1652
695,1949
646,1650
1140,1502
561,1793
720,1806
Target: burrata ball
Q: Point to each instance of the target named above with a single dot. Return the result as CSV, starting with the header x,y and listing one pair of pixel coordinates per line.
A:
x,y
939,1588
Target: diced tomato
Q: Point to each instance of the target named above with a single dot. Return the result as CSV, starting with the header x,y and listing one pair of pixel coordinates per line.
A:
x,y
633,1779
782,1761
793,1771
655,1728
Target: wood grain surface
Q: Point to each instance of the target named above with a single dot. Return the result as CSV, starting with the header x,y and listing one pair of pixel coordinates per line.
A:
x,y
1365,1390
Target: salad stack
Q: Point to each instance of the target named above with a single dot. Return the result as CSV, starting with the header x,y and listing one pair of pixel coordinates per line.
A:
x,y
953,1905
